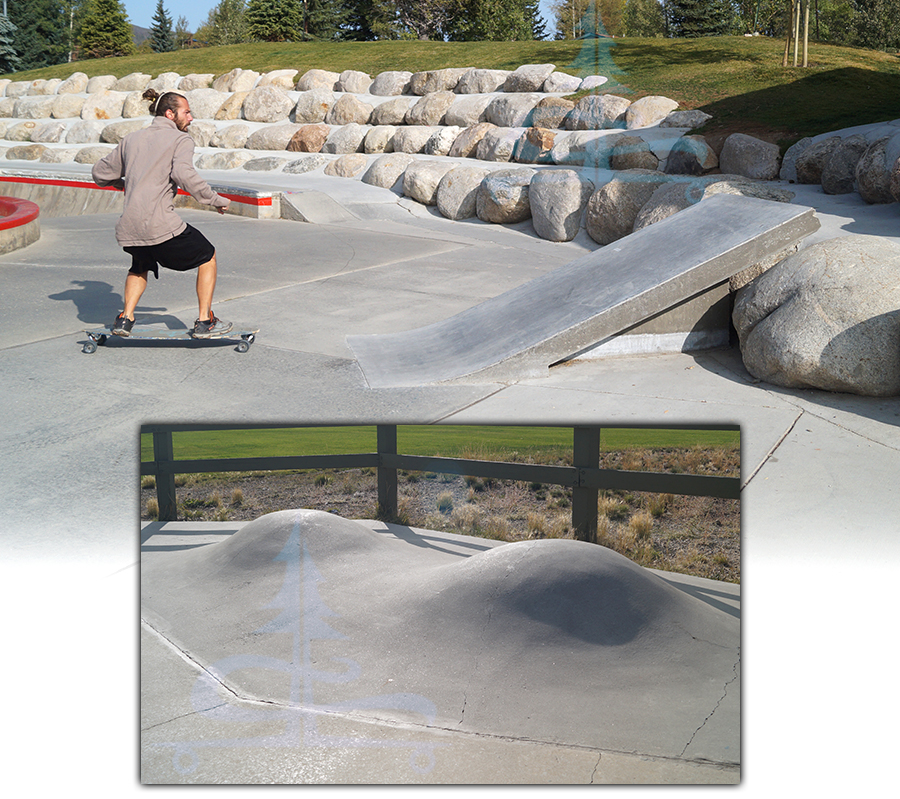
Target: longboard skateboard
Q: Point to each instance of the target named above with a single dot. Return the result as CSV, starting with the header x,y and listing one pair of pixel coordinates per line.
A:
x,y
98,337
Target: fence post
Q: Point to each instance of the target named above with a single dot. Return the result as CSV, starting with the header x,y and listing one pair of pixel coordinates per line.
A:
x,y
387,476
585,455
165,480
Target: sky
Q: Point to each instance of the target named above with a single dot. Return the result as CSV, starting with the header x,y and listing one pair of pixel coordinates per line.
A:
x,y
140,12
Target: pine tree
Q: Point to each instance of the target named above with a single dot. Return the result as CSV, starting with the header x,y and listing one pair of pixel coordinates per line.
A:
x,y
106,31
692,18
535,19
226,23
41,36
162,39
323,19
274,20
9,58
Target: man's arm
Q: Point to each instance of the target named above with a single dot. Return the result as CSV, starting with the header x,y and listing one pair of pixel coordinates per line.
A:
x,y
109,171
184,174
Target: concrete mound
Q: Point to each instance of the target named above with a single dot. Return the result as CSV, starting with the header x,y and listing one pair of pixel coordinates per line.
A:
x,y
554,640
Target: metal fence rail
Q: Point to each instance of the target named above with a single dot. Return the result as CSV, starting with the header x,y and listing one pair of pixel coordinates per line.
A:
x,y
584,477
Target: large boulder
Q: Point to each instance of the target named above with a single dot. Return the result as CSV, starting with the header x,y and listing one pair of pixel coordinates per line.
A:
x,y
266,104
233,137
430,108
232,159
318,79
750,157
632,152
387,170
612,208
387,84
269,163
49,132
826,317
135,106
668,199
22,131
345,139
412,139
562,83
535,146
443,80
468,111
391,112
134,82
691,155
441,141
238,80
233,107
103,105
648,111
583,148
67,106
116,131
347,166
689,118
528,78
58,155
90,155
380,139
271,137
85,131
598,112
466,144
481,81
558,198
551,112
279,78
498,144
200,131
354,81
76,83
811,161
165,82
205,103
788,169
195,81
308,163
349,110
839,173
503,196
99,83
512,110
458,190
34,107
26,152
421,179
873,173
313,105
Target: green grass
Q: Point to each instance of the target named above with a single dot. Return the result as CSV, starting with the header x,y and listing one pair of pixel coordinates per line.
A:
x,y
739,80
540,444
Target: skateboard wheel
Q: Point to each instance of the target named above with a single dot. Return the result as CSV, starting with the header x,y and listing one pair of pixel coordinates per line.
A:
x,y
89,347
243,346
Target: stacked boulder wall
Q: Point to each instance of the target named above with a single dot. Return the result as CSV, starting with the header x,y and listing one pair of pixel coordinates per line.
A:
x,y
554,640
827,317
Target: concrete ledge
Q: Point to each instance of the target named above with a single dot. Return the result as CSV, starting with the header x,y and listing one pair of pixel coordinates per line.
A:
x,y
19,223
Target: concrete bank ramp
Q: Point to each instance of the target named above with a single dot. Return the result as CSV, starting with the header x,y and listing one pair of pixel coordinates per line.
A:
x,y
554,640
524,331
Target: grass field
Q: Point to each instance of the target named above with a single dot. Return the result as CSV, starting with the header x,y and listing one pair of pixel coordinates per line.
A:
x,y
739,80
540,444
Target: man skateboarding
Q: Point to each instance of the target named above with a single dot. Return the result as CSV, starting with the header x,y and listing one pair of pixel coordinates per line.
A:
x,y
150,164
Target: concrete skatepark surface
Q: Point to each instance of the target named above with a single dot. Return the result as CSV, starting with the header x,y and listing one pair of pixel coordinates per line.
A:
x,y
819,506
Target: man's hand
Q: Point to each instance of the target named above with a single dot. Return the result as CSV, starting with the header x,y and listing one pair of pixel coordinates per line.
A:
x,y
221,210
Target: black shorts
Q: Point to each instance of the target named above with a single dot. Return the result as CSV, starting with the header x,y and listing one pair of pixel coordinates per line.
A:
x,y
188,250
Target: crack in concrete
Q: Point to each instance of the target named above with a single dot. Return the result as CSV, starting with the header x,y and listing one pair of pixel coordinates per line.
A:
x,y
719,702
596,767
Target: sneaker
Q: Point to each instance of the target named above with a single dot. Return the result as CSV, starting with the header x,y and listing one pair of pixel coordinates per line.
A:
x,y
122,326
211,327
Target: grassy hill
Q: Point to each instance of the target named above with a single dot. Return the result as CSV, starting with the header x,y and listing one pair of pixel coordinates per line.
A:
x,y
739,80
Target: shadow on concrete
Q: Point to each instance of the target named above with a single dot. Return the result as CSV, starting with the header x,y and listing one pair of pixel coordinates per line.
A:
x,y
98,304
434,542
152,529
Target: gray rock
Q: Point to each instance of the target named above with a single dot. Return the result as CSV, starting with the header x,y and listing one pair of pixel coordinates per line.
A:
x,y
201,132
232,159
21,131
76,83
354,81
67,106
691,155
811,161
839,173
195,81
391,112
17,88
430,109
535,146
551,112
417,83
598,112
85,131
380,139
440,142
307,164
498,144
583,148
528,78
826,318
387,84
34,107
103,105
667,200
318,79
49,132
270,163
788,169
134,82
91,155
561,82
482,81
349,110
166,82
457,192
592,82
512,111
347,166
237,80
279,78
7,106
116,131
873,173
44,86
468,111
750,157
632,152
421,179
387,171
690,119
442,80
232,137
648,111
205,103
135,106
558,198
735,184
99,83
271,137
313,106
233,107
266,104
466,144
503,196
58,155
412,139
25,152
612,208
345,139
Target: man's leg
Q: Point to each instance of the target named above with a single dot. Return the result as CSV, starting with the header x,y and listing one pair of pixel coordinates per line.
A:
x,y
135,284
206,285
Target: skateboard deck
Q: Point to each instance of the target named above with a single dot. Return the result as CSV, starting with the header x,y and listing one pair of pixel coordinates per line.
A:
x,y
99,336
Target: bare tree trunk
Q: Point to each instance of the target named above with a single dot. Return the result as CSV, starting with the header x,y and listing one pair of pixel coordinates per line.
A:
x,y
790,27
796,30
806,34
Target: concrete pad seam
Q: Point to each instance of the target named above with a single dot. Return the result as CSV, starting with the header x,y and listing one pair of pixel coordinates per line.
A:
x,y
467,405
719,702
772,449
